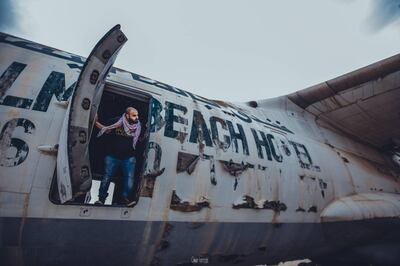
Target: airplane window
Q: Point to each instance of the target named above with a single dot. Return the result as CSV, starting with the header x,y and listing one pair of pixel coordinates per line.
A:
x,y
117,150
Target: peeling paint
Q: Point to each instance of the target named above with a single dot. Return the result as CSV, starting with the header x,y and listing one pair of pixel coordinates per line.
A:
x,y
151,175
222,144
157,121
184,206
277,206
248,202
149,181
234,169
186,162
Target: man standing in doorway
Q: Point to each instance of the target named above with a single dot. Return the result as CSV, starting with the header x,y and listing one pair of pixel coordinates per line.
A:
x,y
121,138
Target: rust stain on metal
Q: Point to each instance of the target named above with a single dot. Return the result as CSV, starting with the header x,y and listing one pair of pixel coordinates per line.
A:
x,y
167,230
186,162
249,203
184,206
149,181
150,177
276,206
164,243
234,169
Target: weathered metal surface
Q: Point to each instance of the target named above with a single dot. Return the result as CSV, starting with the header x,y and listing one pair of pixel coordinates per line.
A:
x,y
279,168
235,169
153,169
350,102
8,142
322,91
9,76
362,206
185,206
84,104
149,180
186,162
249,203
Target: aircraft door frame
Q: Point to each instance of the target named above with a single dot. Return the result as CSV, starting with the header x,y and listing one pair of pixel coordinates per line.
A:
x,y
74,176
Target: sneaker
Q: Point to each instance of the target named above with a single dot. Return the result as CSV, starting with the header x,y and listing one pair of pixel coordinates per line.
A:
x,y
99,202
128,203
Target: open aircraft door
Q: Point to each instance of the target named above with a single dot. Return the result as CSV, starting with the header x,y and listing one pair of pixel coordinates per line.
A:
x,y
74,176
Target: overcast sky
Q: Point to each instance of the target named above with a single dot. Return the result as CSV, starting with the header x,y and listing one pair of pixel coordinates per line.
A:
x,y
222,49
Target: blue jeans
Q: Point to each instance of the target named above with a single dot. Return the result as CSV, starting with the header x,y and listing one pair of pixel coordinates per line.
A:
x,y
111,167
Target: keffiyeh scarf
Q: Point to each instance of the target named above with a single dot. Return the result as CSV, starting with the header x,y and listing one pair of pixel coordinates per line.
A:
x,y
132,130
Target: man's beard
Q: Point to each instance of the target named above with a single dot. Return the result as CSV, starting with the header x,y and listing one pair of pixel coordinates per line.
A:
x,y
130,121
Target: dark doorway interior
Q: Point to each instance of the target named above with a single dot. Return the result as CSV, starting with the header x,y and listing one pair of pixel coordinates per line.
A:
x,y
113,105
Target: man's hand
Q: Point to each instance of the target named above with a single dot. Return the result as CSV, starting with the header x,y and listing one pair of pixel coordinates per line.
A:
x,y
100,125
97,123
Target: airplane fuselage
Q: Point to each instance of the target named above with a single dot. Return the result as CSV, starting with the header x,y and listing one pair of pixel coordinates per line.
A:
x,y
224,183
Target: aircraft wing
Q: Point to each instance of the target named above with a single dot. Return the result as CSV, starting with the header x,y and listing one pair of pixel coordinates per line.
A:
x,y
364,103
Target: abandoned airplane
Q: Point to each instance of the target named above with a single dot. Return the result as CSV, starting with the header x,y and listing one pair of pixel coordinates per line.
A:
x,y
313,174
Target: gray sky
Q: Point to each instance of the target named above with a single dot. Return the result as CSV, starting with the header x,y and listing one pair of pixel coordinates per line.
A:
x,y
226,49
